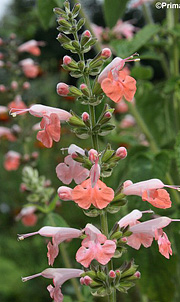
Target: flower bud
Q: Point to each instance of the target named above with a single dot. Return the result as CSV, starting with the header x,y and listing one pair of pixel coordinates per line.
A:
x,y
85,116
112,274
137,274
67,60
62,89
82,281
87,33
106,53
87,280
1,56
124,239
2,88
83,86
65,193
93,154
14,85
26,85
108,114
23,187
121,152
1,41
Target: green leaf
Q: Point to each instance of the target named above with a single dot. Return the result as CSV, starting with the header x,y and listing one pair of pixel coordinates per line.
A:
x,y
125,48
45,12
56,220
114,10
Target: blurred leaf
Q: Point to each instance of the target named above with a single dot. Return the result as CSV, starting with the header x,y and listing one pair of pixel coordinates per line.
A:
x,y
45,12
125,48
142,72
67,299
54,219
114,10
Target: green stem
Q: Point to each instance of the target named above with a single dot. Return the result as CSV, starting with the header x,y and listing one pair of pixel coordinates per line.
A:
x,y
153,145
147,14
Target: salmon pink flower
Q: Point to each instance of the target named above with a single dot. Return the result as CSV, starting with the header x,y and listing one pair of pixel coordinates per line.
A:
x,y
7,133
127,121
131,219
95,246
17,103
71,170
59,276
58,234
30,69
152,191
115,82
27,216
152,229
32,47
119,85
100,196
50,123
12,160
124,28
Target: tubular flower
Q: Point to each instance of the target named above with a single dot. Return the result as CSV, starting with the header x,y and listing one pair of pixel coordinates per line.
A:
x,y
95,173
151,191
12,160
70,170
100,196
32,47
95,246
50,123
7,133
30,69
27,216
17,103
59,276
58,234
131,219
116,83
152,229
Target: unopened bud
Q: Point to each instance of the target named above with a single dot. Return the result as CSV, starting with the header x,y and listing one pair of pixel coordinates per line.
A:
x,y
87,33
108,114
1,41
26,85
82,281
2,88
87,280
124,239
67,60
14,85
112,274
23,187
83,86
93,154
106,53
62,89
85,116
121,152
65,193
1,56
137,274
